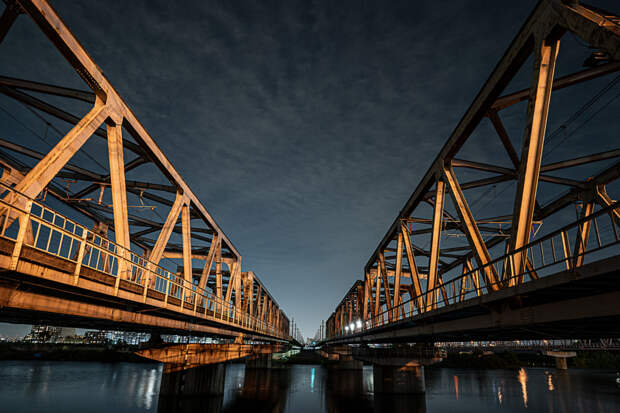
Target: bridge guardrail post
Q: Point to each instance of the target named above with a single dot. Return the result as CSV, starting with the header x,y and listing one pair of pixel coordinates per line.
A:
x,y
167,287
24,221
195,301
183,296
147,282
80,256
117,284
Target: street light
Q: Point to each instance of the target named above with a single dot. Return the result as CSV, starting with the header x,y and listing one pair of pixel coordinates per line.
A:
x,y
358,324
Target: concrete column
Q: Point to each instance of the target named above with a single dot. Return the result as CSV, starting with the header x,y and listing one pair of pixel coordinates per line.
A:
x,y
189,404
560,358
204,380
560,363
346,363
398,379
400,403
263,361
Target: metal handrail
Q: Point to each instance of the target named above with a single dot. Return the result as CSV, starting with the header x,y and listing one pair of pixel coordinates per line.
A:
x,y
379,319
137,266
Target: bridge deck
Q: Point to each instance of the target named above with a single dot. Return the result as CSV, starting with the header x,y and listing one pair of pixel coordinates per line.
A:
x,y
62,273
582,302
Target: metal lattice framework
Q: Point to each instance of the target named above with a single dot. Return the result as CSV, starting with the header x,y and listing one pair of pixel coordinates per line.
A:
x,y
133,259
498,252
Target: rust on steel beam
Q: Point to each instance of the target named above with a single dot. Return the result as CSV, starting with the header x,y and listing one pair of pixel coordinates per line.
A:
x,y
529,170
471,231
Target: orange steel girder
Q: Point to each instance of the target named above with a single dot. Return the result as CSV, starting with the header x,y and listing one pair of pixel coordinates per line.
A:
x,y
384,276
245,293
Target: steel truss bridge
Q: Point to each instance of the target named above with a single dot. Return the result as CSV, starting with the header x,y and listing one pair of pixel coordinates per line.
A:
x,y
505,276
59,263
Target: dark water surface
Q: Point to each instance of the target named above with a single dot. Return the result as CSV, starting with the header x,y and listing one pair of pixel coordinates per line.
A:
x,y
31,386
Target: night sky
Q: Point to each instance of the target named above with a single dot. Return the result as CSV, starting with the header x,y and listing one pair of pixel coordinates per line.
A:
x,y
302,126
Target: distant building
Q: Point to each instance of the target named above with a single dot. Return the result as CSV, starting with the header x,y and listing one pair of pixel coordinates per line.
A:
x,y
95,337
50,334
127,337
43,334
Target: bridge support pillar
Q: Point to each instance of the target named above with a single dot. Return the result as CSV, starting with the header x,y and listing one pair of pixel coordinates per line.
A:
x,y
392,379
560,358
346,363
341,358
262,361
203,380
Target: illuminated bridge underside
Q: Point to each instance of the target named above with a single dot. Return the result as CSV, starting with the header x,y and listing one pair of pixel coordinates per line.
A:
x,y
106,268
446,272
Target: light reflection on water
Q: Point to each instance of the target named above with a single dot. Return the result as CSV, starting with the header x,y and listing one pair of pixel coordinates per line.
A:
x,y
523,381
31,386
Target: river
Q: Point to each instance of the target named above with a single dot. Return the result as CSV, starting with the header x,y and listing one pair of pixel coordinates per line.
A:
x,y
38,386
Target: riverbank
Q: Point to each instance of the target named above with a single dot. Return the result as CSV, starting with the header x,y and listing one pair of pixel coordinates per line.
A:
x,y
69,352
509,360
476,360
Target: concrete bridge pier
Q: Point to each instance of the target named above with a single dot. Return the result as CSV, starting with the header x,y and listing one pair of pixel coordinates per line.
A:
x,y
560,358
262,361
191,389
346,362
341,358
202,380
392,378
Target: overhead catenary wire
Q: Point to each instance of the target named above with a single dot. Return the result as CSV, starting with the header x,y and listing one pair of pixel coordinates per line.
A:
x,y
48,125
564,126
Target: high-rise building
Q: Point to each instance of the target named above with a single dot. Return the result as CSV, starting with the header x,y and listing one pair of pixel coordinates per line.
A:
x,y
43,334
95,337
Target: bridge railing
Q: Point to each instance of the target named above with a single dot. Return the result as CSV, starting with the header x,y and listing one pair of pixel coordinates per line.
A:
x,y
563,249
28,222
